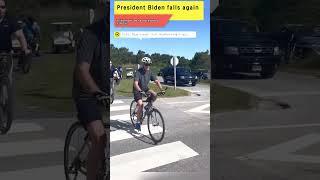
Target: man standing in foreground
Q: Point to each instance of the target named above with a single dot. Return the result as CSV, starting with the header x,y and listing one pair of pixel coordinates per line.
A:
x,y
90,81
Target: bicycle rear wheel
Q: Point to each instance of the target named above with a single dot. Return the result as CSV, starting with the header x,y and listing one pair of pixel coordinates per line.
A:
x,y
76,152
6,105
156,126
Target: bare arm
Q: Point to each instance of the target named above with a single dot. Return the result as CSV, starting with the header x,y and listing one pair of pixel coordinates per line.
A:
x,y
85,78
136,85
20,36
158,84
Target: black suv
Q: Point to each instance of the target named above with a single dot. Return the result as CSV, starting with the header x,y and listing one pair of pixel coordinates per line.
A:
x,y
238,46
184,76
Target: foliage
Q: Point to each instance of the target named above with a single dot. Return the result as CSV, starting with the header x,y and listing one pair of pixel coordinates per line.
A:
x,y
270,14
123,56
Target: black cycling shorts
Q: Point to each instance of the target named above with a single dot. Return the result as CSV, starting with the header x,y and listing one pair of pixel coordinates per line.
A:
x,y
89,110
137,96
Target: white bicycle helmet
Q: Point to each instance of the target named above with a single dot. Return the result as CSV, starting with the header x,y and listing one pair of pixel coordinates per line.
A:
x,y
146,60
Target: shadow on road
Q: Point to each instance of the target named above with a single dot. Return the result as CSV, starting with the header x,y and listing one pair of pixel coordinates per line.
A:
x,y
127,126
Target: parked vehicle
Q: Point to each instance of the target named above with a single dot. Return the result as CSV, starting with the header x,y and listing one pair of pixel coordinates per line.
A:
x,y
62,39
183,76
238,46
129,73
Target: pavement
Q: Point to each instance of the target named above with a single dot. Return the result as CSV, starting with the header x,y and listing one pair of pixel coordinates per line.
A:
x,y
279,140
33,148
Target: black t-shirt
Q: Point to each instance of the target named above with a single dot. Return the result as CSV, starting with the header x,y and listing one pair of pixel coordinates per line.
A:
x,y
143,77
92,47
7,27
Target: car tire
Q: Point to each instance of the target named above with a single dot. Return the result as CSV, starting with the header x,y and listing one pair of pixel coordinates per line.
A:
x,y
165,81
194,84
268,72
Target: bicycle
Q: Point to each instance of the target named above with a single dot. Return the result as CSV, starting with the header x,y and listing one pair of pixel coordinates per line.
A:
x,y
6,92
25,62
115,80
77,164
153,123
112,87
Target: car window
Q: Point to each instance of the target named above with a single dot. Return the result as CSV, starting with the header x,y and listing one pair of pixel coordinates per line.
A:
x,y
233,27
183,71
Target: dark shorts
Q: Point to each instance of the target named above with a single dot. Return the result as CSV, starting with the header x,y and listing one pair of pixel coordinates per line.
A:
x,y
88,110
137,96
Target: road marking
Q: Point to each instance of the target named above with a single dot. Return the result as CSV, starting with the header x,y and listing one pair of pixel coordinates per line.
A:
x,y
30,147
119,108
186,102
24,127
122,117
117,102
122,134
145,159
128,162
47,173
56,173
200,109
284,151
265,127
193,91
161,175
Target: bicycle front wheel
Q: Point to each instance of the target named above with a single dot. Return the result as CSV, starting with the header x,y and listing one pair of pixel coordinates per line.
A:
x,y
6,105
133,112
26,64
76,152
156,126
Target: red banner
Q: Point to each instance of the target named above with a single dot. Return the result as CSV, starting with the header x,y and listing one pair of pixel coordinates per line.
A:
x,y
145,20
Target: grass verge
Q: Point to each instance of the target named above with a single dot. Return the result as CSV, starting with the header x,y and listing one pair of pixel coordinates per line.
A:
x,y
229,99
49,83
125,89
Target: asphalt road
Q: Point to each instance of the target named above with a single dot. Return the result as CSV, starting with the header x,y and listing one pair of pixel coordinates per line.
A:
x,y
280,140
33,148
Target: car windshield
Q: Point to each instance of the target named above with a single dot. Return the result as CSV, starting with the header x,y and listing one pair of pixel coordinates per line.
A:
x,y
233,27
62,28
183,71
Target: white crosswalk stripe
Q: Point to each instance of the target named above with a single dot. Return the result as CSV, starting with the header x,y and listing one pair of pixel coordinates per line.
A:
x,y
151,157
119,108
24,127
117,102
201,109
30,147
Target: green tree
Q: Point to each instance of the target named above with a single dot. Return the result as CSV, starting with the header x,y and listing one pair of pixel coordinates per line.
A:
x,y
201,60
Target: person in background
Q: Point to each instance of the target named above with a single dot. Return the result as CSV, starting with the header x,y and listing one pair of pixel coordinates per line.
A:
x,y
8,27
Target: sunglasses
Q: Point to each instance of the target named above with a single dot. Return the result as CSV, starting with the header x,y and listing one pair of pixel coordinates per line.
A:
x,y
2,7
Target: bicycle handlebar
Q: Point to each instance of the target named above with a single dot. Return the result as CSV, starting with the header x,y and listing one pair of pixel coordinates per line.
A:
x,y
158,94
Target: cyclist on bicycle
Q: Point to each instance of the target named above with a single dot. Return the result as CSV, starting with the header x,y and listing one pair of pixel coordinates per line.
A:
x,y
90,81
9,27
140,87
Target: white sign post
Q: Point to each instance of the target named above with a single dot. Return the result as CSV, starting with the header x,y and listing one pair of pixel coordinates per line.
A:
x,y
174,62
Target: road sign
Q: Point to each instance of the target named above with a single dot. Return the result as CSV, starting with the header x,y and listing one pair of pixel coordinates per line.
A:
x,y
174,61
